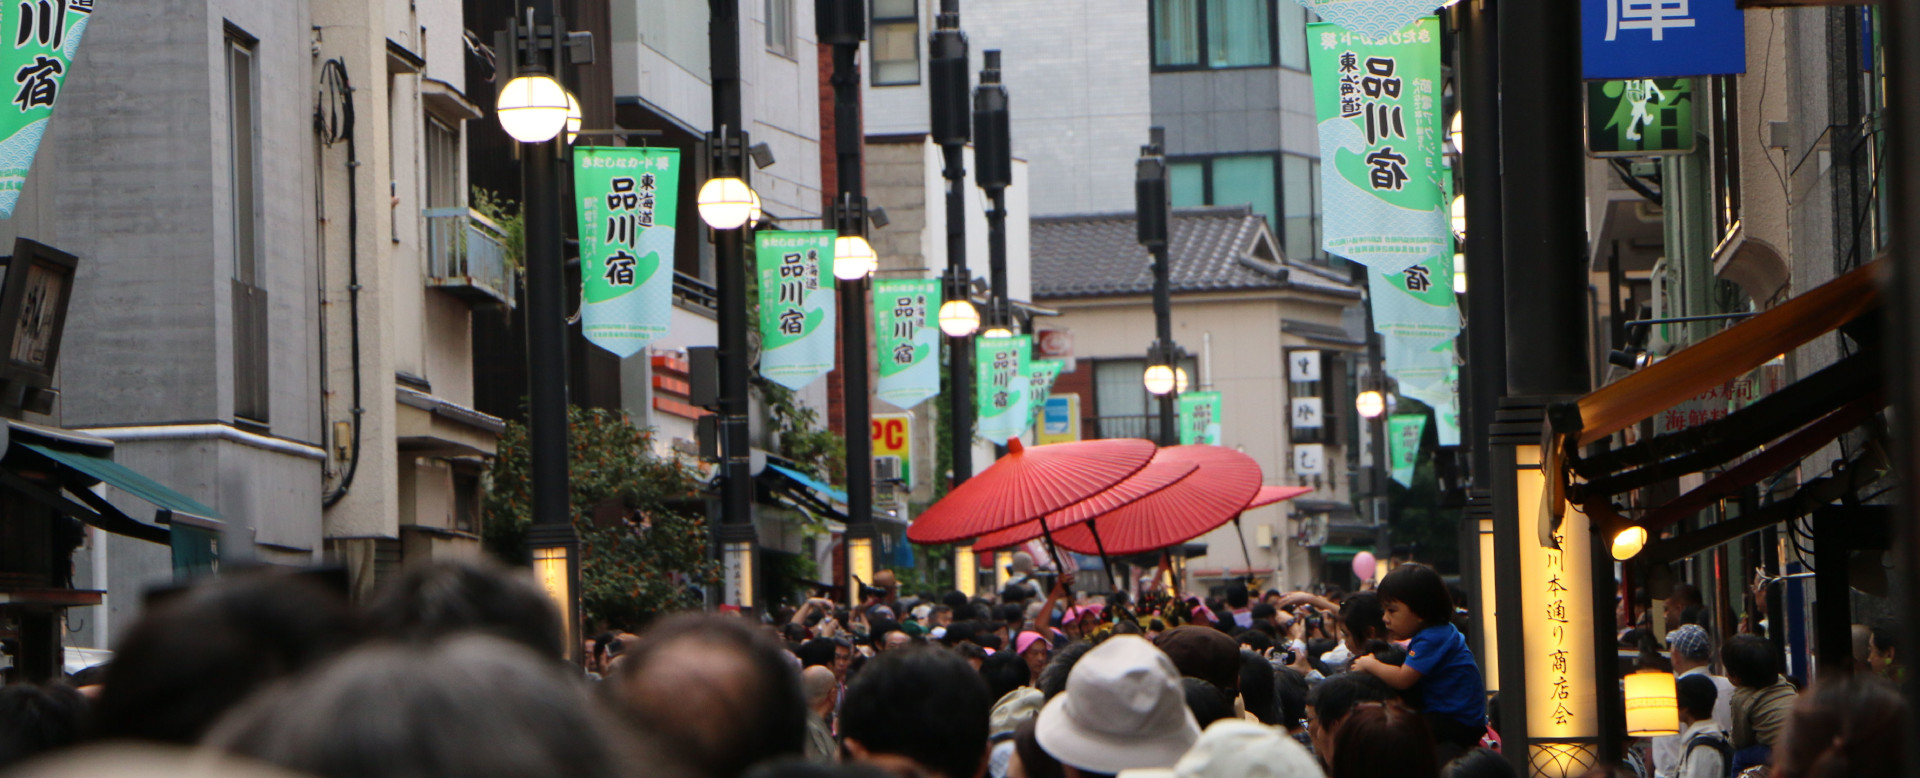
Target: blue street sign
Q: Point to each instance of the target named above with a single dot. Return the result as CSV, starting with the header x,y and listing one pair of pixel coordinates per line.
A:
x,y
1631,39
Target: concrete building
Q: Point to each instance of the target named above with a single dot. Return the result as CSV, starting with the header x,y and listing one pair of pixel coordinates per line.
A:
x,y
1241,308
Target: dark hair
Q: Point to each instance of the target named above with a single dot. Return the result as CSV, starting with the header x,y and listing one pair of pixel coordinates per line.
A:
x,y
1387,652
1255,639
1053,677
435,600
1010,613
1262,611
1237,596
987,640
971,651
959,632
1848,726
1383,739
818,651
1207,702
1290,696
1479,763
1695,694
1004,672
1750,660
1037,762
800,768
198,652
921,703
36,719
1336,697
957,600
754,712
1256,687
1421,589
1885,639
1363,617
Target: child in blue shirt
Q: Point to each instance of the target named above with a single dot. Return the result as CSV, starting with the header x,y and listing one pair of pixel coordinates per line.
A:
x,y
1439,664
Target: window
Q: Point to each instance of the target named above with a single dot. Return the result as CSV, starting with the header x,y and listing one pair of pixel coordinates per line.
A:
x,y
1293,35
1291,204
896,42
1202,34
249,319
780,27
1120,399
443,165
1298,237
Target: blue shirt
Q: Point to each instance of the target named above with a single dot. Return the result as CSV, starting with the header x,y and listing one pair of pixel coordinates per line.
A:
x,y
1450,682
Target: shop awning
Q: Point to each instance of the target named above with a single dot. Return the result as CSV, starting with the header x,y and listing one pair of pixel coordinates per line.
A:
x,y
121,477
77,472
1342,552
810,482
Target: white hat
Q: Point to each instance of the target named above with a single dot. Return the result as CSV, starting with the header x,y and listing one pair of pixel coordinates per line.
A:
x,y
1014,709
1236,748
1123,709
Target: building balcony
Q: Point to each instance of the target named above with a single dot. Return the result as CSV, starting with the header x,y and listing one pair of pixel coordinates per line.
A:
x,y
467,257
1144,426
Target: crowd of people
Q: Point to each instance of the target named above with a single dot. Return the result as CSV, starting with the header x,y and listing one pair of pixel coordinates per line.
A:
x,y
457,670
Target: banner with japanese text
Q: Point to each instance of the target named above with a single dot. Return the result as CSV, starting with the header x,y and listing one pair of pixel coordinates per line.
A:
x,y
1041,373
1372,18
1403,445
1199,418
908,340
1382,172
796,305
627,207
46,38
1000,383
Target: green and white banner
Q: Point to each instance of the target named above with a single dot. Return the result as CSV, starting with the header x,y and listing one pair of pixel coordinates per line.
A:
x,y
796,305
1382,171
627,207
1439,387
908,340
1403,445
1373,18
1002,404
1041,373
46,37
1199,414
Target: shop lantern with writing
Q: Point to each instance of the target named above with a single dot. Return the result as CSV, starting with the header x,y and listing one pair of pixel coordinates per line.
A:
x,y
628,199
1556,573
46,37
1001,386
796,305
1378,102
907,340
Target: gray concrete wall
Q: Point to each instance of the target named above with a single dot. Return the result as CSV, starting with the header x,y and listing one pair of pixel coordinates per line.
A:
x,y
1236,110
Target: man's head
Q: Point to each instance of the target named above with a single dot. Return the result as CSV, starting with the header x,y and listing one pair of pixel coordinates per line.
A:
x,y
1882,648
1022,563
1683,606
1237,596
816,685
443,598
719,689
894,640
922,706
886,581
1329,703
1691,647
1123,709
1750,661
1204,653
1694,695
940,616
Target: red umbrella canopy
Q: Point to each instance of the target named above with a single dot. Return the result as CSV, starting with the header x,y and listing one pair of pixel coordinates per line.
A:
x,y
1159,474
1271,494
1223,486
1028,483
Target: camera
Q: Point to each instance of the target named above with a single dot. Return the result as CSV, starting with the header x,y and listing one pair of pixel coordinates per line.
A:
x,y
872,592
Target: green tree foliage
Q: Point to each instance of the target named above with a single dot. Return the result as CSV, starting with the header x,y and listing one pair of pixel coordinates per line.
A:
x,y
642,545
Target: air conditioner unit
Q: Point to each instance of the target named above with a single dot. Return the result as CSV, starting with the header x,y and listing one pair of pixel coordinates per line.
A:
x,y
886,469
1263,536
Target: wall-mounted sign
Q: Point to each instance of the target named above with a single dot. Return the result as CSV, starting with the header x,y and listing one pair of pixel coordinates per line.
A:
x,y
1640,117
1303,366
1661,38
628,198
796,306
1309,459
908,341
893,437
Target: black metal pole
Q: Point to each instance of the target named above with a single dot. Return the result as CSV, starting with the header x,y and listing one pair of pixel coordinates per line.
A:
x,y
1902,18
947,97
857,399
730,276
1153,214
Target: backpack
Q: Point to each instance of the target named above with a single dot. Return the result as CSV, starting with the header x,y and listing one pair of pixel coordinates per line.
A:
x,y
1713,740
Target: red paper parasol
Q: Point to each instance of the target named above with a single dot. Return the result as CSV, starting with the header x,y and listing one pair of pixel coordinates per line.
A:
x,y
1271,494
1159,474
1223,486
1028,483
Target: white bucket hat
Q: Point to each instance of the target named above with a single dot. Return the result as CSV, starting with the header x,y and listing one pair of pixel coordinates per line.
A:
x,y
1123,709
1233,748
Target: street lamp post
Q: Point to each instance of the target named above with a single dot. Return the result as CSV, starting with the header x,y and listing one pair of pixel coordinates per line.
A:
x,y
728,146
1152,208
947,101
993,154
532,107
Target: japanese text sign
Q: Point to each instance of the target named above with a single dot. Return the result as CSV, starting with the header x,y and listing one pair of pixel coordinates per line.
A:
x,y
1378,102
908,339
1041,373
46,35
796,306
1640,117
1309,459
1372,18
1403,445
1303,366
1558,609
1000,382
1661,38
1199,414
627,207
893,437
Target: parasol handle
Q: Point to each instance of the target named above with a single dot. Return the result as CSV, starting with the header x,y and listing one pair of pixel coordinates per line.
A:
x,y
1244,553
1105,563
1052,550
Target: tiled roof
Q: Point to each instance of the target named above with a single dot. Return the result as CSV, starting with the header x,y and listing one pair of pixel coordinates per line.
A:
x,y
1214,249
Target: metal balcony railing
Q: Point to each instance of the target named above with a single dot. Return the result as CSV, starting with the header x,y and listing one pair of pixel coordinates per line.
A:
x,y
1145,426
467,256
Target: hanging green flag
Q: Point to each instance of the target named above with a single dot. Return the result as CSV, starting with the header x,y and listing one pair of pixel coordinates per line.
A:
x,y
1041,373
627,207
49,36
1001,384
908,340
1199,418
796,306
1378,104
1403,445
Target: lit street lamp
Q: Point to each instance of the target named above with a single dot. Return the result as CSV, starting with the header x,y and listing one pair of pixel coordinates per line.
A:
x,y
958,318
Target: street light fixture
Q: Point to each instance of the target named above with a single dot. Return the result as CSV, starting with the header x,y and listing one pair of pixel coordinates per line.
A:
x,y
1457,135
1628,542
958,318
997,332
726,203
1370,403
574,119
1179,380
853,258
1460,216
1160,380
533,108
1459,274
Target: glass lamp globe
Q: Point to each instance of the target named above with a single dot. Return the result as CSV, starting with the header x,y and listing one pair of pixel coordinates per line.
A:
x,y
853,258
1628,543
725,203
1160,379
1460,216
1456,133
573,119
1370,404
1179,380
532,108
1459,274
958,318
754,214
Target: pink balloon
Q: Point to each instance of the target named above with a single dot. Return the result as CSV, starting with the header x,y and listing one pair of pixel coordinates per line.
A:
x,y
1363,565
